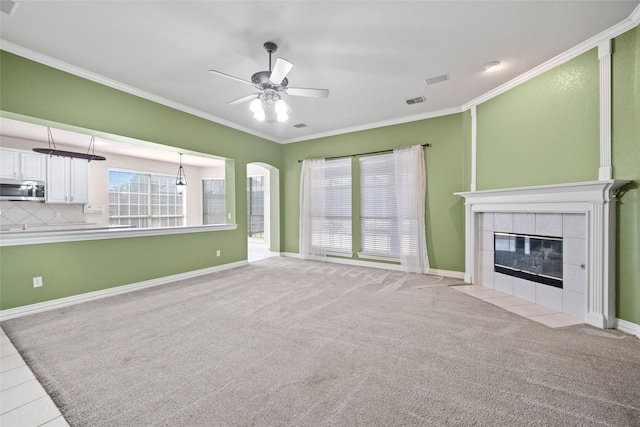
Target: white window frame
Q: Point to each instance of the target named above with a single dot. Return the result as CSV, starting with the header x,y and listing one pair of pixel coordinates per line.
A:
x,y
149,216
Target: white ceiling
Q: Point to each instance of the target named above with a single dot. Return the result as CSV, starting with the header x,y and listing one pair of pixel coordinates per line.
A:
x,y
371,55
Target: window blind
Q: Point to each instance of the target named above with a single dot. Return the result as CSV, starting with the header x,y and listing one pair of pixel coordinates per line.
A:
x,y
331,221
378,206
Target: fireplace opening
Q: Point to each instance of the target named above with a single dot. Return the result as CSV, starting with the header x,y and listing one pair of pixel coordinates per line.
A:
x,y
535,258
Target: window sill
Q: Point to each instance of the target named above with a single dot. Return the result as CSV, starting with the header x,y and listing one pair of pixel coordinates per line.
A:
x,y
29,237
378,257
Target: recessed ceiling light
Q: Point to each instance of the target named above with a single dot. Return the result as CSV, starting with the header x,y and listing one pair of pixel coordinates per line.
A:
x,y
490,66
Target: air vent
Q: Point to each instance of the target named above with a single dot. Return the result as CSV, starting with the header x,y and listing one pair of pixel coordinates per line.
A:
x,y
300,125
417,100
7,6
438,79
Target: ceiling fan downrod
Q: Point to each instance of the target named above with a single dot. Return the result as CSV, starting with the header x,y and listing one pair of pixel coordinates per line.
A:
x,y
270,47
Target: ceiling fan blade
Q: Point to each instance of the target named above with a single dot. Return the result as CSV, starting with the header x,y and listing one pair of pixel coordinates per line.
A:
x,y
243,99
309,92
231,77
280,71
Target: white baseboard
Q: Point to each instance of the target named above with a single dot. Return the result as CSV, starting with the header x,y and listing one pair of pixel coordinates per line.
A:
x,y
447,273
373,264
628,327
90,296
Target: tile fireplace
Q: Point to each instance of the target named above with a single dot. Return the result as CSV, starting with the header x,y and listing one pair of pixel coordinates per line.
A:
x,y
578,222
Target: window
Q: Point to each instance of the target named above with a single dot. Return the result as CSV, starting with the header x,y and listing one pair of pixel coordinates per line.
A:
x,y
144,200
378,211
214,207
255,206
329,210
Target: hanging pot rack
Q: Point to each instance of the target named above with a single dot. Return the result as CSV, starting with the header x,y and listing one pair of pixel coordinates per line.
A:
x,y
53,151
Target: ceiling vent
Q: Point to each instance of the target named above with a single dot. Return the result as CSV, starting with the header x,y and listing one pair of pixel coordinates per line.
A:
x,y
7,6
300,125
438,79
417,100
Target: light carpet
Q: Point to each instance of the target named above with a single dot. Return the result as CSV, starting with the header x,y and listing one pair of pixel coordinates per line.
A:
x,y
286,342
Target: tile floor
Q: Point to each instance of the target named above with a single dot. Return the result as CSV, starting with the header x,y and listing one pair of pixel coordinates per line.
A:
x,y
521,307
23,401
258,249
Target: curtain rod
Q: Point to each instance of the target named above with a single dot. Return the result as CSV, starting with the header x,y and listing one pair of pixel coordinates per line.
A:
x,y
363,154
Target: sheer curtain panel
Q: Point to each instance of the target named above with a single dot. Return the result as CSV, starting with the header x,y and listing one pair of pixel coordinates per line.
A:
x,y
311,207
410,191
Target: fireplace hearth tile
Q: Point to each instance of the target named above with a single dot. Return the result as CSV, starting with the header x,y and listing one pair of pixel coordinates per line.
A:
x,y
557,320
574,278
506,302
528,310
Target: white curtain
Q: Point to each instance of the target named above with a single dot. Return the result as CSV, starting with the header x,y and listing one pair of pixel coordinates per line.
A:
x,y
312,206
410,187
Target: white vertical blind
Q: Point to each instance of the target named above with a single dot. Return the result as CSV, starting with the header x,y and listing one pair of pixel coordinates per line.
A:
x,y
325,213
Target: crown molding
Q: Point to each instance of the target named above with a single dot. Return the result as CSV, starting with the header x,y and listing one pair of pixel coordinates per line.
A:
x,y
625,25
98,78
375,125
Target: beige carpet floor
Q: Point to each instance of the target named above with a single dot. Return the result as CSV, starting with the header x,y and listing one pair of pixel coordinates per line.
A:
x,y
286,342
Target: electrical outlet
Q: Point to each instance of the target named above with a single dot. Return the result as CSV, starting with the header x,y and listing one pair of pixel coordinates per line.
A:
x,y
218,252
229,215
37,282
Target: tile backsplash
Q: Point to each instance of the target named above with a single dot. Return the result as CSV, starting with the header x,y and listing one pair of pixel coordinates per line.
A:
x,y
34,213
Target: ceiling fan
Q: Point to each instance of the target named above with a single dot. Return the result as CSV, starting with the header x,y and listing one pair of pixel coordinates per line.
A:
x,y
272,84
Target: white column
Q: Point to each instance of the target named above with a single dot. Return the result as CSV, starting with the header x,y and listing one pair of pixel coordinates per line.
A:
x,y
604,55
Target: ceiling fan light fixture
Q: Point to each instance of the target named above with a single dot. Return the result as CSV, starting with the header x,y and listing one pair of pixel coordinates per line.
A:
x,y
259,115
256,105
281,107
283,117
491,66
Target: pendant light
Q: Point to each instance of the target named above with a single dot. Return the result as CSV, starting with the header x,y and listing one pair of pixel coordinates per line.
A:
x,y
181,179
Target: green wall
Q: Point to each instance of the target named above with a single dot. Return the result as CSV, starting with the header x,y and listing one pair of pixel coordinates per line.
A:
x,y
546,131
626,165
49,96
445,165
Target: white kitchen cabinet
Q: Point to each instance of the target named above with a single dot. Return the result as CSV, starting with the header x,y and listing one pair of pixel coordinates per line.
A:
x,y
67,180
22,165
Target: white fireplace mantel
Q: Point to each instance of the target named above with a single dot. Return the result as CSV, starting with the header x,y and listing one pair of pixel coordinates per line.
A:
x,y
595,199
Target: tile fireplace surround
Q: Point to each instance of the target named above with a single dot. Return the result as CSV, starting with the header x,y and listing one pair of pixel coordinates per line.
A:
x,y
582,213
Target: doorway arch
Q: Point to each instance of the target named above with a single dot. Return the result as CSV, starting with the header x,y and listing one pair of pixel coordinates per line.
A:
x,y
271,204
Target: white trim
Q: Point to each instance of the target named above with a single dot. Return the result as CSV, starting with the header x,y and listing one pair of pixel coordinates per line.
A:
x,y
595,199
628,327
290,255
19,238
604,58
635,15
12,313
447,273
89,75
579,49
374,125
394,267
474,145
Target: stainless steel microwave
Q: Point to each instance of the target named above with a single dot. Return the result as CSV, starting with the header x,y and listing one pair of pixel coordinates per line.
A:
x,y
22,190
